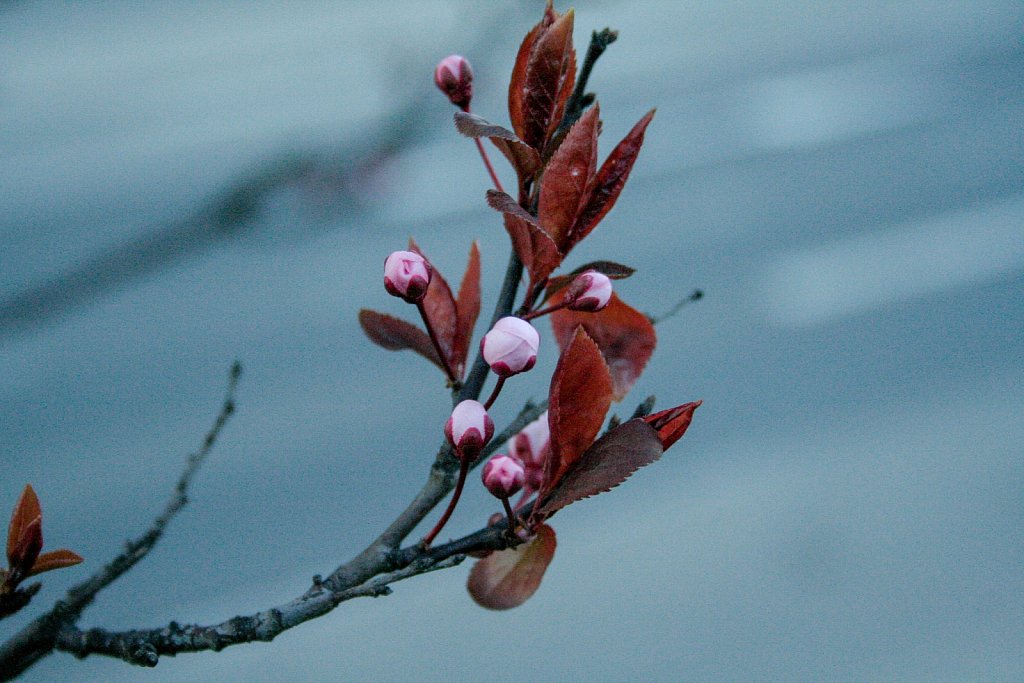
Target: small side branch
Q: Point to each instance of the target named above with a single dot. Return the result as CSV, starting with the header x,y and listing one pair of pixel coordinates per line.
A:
x,y
37,639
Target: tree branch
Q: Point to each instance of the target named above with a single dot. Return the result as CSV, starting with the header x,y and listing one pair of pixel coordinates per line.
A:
x,y
37,639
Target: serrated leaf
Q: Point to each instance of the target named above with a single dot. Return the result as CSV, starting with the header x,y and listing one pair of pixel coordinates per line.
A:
x,y
606,186
605,465
439,307
394,334
517,84
532,244
614,271
56,559
550,74
567,177
579,398
467,309
508,578
26,510
671,424
524,159
625,336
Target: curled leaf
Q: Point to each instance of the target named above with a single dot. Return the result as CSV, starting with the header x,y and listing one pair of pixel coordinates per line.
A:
x,y
606,464
579,398
517,84
507,578
25,512
671,424
524,159
625,336
394,334
532,244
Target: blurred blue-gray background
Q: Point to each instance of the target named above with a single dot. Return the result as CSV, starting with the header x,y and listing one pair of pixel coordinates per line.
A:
x,y
184,184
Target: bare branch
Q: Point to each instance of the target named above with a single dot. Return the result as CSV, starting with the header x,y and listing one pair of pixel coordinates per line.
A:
x,y
37,639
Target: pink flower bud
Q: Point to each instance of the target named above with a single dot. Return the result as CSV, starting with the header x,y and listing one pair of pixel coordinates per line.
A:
x,y
590,291
532,446
407,275
503,476
454,78
511,346
469,429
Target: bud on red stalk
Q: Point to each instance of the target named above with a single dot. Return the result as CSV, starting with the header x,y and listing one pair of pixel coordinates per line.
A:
x,y
469,429
454,78
511,346
503,476
590,291
407,276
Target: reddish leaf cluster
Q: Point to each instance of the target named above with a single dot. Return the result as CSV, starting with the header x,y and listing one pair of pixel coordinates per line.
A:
x,y
24,543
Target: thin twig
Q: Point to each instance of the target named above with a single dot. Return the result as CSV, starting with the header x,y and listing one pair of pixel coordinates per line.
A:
x,y
37,639
696,295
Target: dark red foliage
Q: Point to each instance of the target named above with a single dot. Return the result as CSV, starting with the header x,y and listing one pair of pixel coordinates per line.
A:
x,y
625,336
580,395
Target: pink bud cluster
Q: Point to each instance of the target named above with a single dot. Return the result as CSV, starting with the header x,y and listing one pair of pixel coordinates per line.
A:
x,y
511,346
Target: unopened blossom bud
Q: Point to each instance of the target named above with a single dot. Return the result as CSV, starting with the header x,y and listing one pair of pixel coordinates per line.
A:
x,y
469,429
503,476
511,346
407,275
532,445
454,78
590,291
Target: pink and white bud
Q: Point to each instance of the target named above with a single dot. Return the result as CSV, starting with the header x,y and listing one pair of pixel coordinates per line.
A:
x,y
532,445
454,77
503,476
469,429
407,276
511,346
590,291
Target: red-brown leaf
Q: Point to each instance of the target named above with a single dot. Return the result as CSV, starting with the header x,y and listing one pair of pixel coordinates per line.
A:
x,y
439,305
26,510
532,244
606,186
671,424
517,84
397,335
606,464
579,398
550,74
524,159
507,578
625,336
467,307
567,176
57,559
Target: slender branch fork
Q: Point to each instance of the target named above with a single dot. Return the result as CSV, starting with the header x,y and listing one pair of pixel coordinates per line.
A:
x,y
370,573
